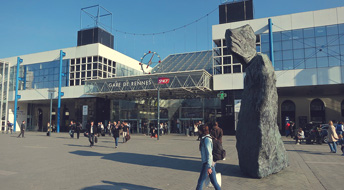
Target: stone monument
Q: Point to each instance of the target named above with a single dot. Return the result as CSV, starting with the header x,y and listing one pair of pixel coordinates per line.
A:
x,y
260,148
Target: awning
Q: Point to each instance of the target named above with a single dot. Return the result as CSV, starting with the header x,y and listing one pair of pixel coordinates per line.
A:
x,y
186,84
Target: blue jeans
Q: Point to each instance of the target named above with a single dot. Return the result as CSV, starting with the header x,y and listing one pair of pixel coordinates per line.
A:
x,y
333,146
203,176
116,141
91,139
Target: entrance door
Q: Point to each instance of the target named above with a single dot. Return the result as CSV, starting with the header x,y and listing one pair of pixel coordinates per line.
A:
x,y
40,120
287,112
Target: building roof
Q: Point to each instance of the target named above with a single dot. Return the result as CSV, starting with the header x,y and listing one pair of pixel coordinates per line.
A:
x,y
186,62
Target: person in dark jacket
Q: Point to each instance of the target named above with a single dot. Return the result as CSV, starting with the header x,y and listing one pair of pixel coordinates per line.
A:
x,y
217,132
22,129
78,129
115,131
92,131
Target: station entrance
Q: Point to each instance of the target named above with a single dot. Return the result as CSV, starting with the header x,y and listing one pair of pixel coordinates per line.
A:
x,y
186,99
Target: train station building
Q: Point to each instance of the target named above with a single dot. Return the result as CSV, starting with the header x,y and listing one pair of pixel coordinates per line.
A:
x,y
308,56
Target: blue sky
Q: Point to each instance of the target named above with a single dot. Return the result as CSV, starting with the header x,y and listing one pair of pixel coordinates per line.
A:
x,y
40,25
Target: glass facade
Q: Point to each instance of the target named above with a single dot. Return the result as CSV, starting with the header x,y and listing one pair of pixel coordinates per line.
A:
x,y
226,63
43,75
96,67
123,70
306,48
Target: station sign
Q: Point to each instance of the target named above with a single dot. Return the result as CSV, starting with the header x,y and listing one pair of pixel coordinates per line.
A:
x,y
163,80
85,110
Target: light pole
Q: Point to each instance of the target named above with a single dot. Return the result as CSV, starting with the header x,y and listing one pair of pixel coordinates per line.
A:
x,y
158,110
62,54
51,92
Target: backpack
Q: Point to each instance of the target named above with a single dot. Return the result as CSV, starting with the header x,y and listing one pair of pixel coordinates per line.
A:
x,y
218,152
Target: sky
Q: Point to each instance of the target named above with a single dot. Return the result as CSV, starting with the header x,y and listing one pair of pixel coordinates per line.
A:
x,y
42,25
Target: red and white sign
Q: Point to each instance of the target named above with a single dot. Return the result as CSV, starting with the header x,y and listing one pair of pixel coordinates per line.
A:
x,y
163,80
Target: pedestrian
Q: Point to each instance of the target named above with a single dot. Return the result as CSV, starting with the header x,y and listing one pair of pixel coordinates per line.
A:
x,y
48,129
287,130
99,129
109,128
78,129
92,131
300,136
115,132
208,165
339,128
125,131
22,129
341,142
54,127
199,135
3,129
195,128
217,132
71,129
9,126
332,137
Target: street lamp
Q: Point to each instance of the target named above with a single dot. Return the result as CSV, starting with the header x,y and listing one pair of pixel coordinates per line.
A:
x,y
51,92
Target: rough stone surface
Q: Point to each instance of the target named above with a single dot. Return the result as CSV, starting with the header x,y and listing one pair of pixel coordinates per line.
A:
x,y
242,42
261,151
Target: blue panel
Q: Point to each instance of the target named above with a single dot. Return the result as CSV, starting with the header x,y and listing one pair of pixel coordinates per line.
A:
x,y
332,30
320,31
308,33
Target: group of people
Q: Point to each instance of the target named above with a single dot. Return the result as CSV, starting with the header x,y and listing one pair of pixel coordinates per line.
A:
x,y
74,128
114,129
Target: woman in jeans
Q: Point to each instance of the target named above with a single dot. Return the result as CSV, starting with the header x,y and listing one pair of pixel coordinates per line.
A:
x,y
208,166
332,137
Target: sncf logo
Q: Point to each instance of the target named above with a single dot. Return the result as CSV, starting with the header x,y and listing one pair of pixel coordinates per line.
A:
x,y
163,80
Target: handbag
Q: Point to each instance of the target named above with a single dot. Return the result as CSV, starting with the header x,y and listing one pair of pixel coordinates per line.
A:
x,y
208,184
127,137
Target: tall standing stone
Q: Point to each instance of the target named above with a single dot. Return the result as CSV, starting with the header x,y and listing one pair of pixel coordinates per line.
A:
x,y
260,148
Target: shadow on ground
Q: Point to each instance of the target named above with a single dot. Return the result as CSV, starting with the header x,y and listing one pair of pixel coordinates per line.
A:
x,y
119,186
162,161
308,152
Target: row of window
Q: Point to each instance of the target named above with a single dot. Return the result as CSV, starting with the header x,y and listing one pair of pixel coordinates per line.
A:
x,y
91,59
293,49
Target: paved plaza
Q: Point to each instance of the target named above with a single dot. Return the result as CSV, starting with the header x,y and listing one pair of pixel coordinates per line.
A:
x,y
173,162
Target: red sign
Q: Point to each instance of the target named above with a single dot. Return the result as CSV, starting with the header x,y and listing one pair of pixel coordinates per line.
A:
x,y
163,80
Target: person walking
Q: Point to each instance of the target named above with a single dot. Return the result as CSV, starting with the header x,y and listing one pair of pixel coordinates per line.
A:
x,y
332,137
115,132
71,129
48,129
125,131
339,128
9,126
22,129
217,132
92,131
208,166
78,129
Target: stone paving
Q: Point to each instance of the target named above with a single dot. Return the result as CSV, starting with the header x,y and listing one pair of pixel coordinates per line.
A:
x,y
173,162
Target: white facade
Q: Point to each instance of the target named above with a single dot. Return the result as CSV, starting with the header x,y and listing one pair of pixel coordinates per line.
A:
x,y
286,78
41,95
311,90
